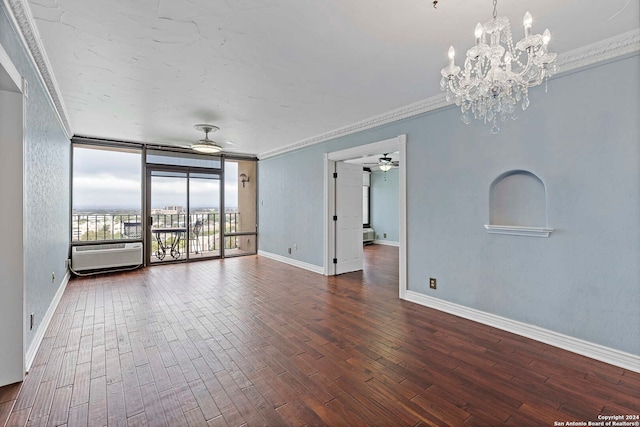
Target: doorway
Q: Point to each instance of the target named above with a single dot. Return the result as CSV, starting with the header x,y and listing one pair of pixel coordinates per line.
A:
x,y
185,215
332,232
12,312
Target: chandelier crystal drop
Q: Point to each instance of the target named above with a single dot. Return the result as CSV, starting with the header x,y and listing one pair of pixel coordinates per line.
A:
x,y
497,75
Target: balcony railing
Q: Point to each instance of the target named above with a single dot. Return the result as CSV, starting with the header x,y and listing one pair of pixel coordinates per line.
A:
x,y
98,227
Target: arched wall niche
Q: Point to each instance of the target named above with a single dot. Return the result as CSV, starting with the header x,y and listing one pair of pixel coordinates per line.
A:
x,y
518,205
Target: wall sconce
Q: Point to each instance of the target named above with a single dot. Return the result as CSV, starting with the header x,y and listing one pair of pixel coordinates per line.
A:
x,y
243,178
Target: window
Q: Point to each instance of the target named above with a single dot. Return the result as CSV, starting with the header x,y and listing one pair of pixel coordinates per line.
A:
x,y
174,158
106,193
366,192
240,207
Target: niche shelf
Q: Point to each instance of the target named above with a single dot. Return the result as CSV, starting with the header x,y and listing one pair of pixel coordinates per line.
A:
x,y
518,205
519,231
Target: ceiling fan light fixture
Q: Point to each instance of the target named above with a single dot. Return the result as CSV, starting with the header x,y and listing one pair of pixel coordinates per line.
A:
x,y
385,163
206,145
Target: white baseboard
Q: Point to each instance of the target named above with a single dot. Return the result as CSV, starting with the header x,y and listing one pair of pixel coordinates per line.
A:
x,y
291,261
386,243
565,342
46,320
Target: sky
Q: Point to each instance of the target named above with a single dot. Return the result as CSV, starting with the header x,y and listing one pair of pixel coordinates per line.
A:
x,y
104,179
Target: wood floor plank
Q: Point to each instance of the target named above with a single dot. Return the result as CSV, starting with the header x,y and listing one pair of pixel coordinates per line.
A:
x,y
205,401
172,409
78,416
152,406
29,388
133,396
98,411
250,341
116,409
60,407
5,411
18,418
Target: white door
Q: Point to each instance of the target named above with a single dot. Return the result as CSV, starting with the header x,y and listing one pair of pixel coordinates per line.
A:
x,y
11,229
349,218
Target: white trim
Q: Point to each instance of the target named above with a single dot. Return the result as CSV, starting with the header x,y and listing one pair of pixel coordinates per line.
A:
x,y
365,150
519,231
46,320
399,144
22,19
605,50
291,261
11,70
403,284
615,47
328,228
595,351
386,243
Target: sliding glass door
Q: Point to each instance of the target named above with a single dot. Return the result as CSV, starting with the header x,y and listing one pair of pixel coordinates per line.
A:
x,y
168,219
184,218
204,215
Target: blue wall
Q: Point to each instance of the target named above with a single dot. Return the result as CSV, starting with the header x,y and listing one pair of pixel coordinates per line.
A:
x,y
384,205
46,171
580,138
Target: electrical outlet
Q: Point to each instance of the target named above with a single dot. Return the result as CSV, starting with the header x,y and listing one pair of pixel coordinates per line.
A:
x,y
295,247
432,283
53,277
289,250
385,235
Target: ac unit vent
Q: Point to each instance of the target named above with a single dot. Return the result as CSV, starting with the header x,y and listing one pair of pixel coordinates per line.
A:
x,y
109,255
100,247
368,235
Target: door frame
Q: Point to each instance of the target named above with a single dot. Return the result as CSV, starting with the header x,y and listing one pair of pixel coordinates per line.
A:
x,y
13,320
187,170
388,145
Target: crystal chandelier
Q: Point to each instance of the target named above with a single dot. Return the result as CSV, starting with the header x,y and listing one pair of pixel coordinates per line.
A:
x,y
496,75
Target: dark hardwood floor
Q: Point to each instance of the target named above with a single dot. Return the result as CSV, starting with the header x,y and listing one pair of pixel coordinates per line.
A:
x,y
250,341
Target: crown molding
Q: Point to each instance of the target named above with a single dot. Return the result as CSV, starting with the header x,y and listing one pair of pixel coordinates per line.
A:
x,y
616,47
404,112
20,13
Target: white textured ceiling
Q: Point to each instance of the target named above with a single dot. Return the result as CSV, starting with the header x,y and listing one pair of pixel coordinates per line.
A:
x,y
271,73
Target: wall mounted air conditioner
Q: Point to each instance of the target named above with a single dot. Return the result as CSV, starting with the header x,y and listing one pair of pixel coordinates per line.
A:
x,y
368,235
108,255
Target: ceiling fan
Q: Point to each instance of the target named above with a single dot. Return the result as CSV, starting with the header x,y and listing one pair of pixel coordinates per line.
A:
x,y
206,145
385,163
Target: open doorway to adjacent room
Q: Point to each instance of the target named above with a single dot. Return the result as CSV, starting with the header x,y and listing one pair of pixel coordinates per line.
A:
x,y
344,207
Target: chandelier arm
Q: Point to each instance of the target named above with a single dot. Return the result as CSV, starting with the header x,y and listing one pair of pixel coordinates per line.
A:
x,y
483,63
524,67
452,88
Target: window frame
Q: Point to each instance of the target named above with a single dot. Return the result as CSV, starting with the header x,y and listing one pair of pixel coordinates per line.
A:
x,y
368,187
